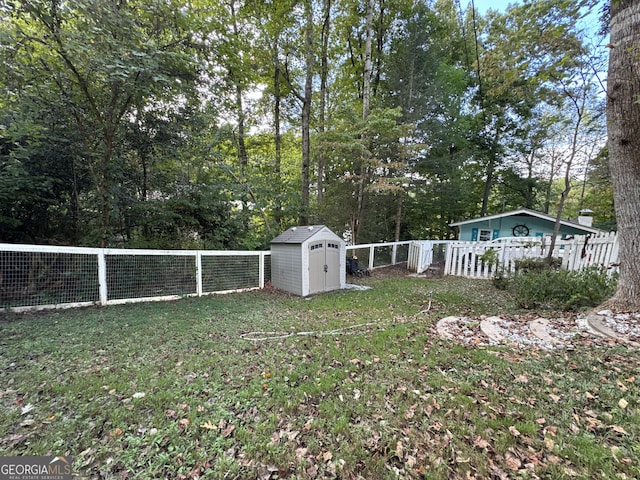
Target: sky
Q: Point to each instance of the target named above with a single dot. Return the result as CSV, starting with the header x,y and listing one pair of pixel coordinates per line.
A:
x,y
592,22
484,5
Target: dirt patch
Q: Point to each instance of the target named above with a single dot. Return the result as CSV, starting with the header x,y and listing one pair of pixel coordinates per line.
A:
x,y
398,270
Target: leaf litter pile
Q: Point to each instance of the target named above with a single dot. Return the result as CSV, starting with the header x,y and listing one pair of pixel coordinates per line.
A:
x,y
173,390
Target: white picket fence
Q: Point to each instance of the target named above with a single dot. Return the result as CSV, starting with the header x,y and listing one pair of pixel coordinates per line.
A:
x,y
469,259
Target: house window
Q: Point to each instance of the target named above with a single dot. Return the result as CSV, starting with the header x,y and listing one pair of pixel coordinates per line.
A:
x,y
485,235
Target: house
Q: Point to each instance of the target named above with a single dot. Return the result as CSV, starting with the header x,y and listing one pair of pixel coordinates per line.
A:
x,y
522,223
308,260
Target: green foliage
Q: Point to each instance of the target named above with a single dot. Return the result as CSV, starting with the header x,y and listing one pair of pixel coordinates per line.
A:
x,y
108,109
536,265
539,286
199,218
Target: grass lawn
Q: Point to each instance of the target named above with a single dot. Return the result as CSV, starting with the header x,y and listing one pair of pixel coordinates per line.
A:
x,y
174,390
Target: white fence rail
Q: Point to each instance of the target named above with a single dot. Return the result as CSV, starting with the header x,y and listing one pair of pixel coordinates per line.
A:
x,y
374,255
468,258
37,277
34,277
425,253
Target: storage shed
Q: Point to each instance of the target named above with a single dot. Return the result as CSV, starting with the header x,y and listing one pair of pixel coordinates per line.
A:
x,y
308,260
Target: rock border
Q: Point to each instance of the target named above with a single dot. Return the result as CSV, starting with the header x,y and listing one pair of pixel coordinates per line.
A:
x,y
539,332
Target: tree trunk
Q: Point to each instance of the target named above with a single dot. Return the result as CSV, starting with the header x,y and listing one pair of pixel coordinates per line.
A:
x,y
242,148
306,113
277,100
366,81
623,126
488,184
396,237
366,95
324,74
237,79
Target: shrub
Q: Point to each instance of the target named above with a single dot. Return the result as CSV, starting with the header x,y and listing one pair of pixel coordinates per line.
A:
x,y
561,289
537,264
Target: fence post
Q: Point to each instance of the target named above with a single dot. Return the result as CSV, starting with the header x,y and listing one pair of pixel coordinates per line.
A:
x,y
199,273
372,252
261,269
394,250
102,277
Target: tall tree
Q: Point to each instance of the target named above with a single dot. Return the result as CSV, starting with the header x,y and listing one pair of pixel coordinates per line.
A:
x,y
623,121
104,59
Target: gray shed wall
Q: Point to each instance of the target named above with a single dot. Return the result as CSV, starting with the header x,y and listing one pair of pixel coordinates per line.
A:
x,y
286,267
290,260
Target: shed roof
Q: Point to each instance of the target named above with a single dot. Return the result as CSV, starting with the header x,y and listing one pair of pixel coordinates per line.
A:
x,y
300,234
530,213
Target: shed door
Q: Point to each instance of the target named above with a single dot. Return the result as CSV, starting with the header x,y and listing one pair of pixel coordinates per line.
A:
x,y
324,266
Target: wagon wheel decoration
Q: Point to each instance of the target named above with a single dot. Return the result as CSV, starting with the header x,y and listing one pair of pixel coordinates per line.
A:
x,y
520,231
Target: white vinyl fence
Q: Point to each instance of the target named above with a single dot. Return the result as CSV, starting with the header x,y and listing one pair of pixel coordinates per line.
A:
x,y
426,253
36,277
469,259
372,255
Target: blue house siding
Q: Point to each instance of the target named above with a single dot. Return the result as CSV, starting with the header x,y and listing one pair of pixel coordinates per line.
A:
x,y
535,224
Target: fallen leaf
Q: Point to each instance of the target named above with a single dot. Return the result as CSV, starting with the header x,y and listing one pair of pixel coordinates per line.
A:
x,y
555,398
139,395
209,426
301,452
117,432
312,471
623,403
549,443
522,379
618,429
480,442
399,450
327,456
514,431
513,462
27,408
227,431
